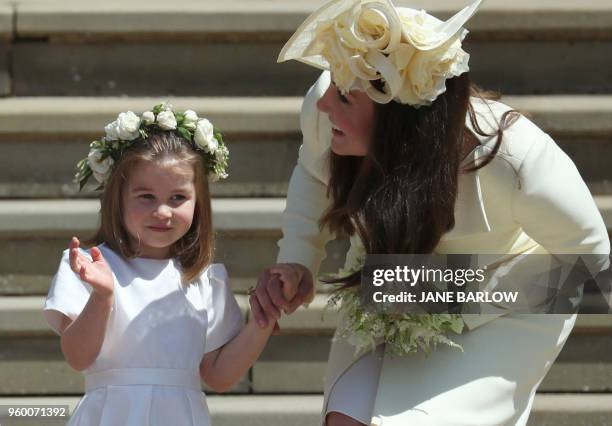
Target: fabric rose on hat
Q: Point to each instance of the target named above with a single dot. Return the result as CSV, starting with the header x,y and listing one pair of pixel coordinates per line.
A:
x,y
424,72
410,52
425,78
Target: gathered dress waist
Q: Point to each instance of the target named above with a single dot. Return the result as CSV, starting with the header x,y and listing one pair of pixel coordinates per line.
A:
x,y
143,376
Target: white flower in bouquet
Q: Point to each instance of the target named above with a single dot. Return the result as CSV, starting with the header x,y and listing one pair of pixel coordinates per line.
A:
x,y
364,327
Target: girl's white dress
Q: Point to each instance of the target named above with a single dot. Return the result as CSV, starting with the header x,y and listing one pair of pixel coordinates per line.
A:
x,y
147,371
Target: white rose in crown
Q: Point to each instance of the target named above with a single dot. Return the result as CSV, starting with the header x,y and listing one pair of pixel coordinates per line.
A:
x,y
204,136
190,120
100,167
125,127
166,120
148,117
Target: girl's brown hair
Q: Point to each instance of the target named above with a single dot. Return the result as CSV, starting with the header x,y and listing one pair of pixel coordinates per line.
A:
x,y
194,250
400,197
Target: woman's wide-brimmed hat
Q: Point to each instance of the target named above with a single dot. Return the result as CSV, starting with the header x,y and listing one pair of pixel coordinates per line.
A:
x,y
359,41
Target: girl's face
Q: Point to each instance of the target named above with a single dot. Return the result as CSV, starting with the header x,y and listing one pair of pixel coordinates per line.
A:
x,y
158,206
352,118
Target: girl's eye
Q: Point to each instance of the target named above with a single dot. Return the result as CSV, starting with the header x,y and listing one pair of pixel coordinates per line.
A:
x,y
147,196
178,197
342,98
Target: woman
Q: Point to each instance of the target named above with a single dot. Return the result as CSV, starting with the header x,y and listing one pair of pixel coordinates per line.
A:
x,y
404,155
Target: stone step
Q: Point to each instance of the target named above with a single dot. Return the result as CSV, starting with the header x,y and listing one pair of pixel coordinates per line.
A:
x,y
304,410
21,316
41,139
292,362
247,232
206,46
38,18
247,229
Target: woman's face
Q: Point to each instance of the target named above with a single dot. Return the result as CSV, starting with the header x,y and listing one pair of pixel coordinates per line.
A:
x,y
352,118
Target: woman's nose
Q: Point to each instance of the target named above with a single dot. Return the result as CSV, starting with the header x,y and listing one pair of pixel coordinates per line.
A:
x,y
324,104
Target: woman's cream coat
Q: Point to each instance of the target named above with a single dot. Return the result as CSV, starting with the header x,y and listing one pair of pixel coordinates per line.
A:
x,y
529,199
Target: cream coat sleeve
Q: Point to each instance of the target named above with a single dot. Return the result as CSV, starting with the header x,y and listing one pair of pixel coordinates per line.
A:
x,y
303,242
554,206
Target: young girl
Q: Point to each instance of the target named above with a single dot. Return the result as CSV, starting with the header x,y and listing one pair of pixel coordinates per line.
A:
x,y
144,314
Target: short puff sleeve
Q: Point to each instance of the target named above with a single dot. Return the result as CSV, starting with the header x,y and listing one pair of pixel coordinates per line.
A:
x,y
224,315
68,294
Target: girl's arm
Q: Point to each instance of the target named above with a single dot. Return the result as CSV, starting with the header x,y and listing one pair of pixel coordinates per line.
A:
x,y
82,339
222,368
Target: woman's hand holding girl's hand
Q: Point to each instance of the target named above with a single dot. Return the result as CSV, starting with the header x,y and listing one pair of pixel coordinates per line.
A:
x,y
289,277
284,286
95,272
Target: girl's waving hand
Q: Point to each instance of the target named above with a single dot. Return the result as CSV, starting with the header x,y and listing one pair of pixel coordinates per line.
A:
x,y
95,272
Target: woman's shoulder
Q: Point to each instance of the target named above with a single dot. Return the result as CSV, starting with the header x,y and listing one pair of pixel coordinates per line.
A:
x,y
519,138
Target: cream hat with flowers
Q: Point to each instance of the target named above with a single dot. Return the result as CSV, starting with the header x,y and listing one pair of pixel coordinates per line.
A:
x,y
359,41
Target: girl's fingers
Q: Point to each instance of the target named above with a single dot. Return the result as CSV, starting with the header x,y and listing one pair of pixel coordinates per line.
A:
x,y
268,307
275,292
258,312
73,260
276,331
285,271
96,254
74,242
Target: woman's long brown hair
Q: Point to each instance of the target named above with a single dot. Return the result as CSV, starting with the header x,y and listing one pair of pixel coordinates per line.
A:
x,y
400,197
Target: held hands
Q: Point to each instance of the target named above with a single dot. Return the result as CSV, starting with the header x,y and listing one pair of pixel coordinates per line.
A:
x,y
284,286
95,272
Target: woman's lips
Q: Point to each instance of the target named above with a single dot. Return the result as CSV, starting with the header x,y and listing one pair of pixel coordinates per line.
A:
x,y
337,132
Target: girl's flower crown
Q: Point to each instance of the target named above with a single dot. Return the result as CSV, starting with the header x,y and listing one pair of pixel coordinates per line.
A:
x,y
128,127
